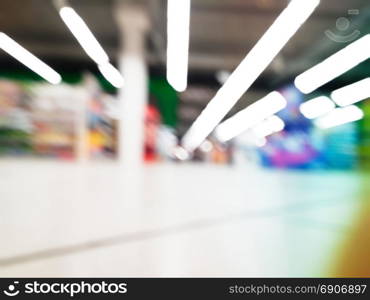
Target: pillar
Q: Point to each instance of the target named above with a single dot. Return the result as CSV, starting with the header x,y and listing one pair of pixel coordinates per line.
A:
x,y
133,25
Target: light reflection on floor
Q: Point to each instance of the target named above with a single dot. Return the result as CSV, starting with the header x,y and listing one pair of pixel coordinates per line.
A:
x,y
61,219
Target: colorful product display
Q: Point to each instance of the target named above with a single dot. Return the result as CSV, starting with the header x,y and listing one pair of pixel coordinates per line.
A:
x,y
302,145
364,136
297,146
78,121
15,121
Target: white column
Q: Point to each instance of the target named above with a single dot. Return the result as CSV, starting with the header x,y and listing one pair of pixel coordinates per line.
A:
x,y
133,24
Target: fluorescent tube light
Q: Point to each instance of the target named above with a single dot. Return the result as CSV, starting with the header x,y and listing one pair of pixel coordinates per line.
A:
x,y
180,153
250,116
112,75
83,35
222,76
178,24
352,93
28,59
317,107
249,139
340,116
334,66
260,142
284,27
269,126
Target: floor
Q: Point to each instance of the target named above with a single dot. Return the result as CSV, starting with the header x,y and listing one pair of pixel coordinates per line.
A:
x,y
78,220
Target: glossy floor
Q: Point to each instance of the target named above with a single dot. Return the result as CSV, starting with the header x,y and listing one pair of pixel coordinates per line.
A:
x,y
64,219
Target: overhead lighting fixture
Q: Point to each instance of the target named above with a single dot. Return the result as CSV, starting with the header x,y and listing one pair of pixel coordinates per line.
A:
x,y
206,146
222,76
249,139
83,35
340,116
250,116
112,75
269,126
260,142
317,107
352,93
89,43
334,66
284,27
178,27
181,154
28,59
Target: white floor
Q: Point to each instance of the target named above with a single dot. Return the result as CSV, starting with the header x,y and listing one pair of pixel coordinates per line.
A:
x,y
65,219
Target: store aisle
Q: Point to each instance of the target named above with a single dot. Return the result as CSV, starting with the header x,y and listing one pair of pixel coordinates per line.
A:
x,y
64,219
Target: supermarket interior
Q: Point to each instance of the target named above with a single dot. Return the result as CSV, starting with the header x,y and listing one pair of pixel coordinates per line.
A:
x,y
184,138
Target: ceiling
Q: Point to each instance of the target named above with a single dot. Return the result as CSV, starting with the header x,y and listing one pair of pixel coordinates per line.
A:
x,y
222,33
